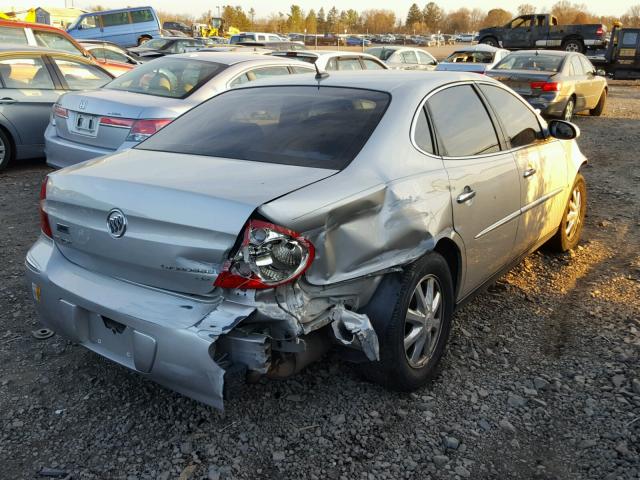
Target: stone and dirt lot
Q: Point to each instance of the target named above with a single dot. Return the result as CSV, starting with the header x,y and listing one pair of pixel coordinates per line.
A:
x,y
541,380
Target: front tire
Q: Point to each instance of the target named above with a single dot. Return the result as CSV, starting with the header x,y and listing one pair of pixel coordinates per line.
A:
x,y
143,40
413,341
599,108
570,228
6,150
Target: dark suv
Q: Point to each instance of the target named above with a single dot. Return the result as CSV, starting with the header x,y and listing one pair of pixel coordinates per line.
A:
x,y
179,26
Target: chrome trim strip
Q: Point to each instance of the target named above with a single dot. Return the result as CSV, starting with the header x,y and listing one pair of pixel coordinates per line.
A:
x,y
540,200
499,223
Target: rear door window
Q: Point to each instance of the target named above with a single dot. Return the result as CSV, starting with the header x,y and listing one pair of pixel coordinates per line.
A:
x,y
422,133
302,125
141,16
115,19
55,41
462,135
10,35
371,64
409,57
108,54
349,64
577,66
520,124
25,73
81,76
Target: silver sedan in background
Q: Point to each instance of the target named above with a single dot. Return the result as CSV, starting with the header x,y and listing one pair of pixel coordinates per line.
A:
x,y
476,58
404,58
274,222
89,124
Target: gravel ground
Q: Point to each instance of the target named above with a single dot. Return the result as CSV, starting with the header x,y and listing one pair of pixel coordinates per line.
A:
x,y
542,377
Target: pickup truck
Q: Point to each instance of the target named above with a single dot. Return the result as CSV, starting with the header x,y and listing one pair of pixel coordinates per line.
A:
x,y
543,31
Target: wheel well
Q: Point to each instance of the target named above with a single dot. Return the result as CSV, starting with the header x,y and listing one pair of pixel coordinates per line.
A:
x,y
12,141
449,250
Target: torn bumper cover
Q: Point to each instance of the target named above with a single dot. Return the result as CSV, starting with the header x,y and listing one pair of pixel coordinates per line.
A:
x,y
355,330
167,338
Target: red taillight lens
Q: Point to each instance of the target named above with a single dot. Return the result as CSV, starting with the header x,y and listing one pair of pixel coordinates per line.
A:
x,y
600,31
44,218
546,86
59,111
269,256
117,122
143,129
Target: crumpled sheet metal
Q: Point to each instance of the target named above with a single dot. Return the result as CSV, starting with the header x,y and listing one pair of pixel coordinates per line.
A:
x,y
382,227
358,329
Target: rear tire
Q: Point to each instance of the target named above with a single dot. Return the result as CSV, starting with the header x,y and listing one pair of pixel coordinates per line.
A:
x,y
6,150
599,108
491,41
573,45
570,228
569,110
413,340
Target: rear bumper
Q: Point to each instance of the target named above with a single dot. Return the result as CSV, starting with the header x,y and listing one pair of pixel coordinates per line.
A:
x,y
161,335
64,153
551,106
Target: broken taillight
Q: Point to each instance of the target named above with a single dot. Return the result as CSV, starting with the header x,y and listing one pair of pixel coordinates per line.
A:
x,y
268,256
143,129
44,218
546,86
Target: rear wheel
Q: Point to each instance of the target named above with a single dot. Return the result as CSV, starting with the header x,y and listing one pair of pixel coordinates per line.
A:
x,y
599,108
570,228
413,341
573,45
491,41
6,150
567,113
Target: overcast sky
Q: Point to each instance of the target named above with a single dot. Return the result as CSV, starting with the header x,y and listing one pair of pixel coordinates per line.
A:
x,y
265,7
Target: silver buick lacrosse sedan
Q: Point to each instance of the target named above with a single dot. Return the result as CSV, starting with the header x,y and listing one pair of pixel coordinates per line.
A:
x,y
274,222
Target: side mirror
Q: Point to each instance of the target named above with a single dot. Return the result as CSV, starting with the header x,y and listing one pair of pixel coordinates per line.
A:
x,y
563,130
601,73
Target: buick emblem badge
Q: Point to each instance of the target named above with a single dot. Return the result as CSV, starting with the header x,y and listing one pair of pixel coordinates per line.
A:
x,y
117,223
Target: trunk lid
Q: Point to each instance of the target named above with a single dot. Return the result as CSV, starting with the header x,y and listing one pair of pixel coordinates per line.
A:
x,y
87,108
520,80
183,213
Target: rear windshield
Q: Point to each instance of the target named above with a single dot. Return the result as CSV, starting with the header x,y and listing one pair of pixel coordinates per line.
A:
x,y
156,43
167,77
470,57
534,61
382,53
307,126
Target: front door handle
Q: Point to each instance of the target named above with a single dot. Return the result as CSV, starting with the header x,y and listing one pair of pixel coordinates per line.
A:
x,y
466,195
529,172
7,101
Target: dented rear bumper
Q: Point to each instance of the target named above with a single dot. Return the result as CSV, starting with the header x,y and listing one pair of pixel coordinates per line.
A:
x,y
165,337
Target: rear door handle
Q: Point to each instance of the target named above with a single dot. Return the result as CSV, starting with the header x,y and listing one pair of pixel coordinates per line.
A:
x,y
529,172
7,101
466,195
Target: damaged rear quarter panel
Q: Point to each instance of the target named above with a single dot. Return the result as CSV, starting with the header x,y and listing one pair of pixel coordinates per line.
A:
x,y
387,208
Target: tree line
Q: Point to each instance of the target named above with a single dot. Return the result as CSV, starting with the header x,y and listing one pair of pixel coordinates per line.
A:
x,y
431,18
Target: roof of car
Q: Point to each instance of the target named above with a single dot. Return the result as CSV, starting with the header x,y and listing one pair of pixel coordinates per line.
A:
x,y
35,26
230,58
25,48
383,80
556,53
481,47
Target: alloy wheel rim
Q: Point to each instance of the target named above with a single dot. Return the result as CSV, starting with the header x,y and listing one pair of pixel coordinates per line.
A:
x,y
2,150
423,321
573,213
572,47
568,111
